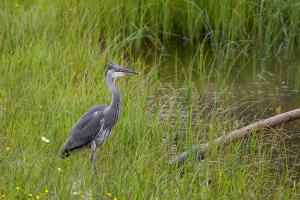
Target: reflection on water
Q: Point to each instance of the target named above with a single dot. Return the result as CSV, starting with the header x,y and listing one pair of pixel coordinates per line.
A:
x,y
250,93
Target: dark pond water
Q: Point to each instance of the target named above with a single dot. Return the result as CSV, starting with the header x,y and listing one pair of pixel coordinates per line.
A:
x,y
256,88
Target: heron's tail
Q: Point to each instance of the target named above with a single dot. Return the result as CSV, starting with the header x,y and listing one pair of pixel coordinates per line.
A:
x,y
65,152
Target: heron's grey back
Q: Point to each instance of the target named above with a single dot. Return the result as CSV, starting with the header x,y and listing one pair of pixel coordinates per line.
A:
x,y
85,129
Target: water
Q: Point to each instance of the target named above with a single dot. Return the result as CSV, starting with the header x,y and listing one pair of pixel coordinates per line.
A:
x,y
255,89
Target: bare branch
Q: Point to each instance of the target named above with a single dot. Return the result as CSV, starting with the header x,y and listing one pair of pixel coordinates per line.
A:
x,y
200,150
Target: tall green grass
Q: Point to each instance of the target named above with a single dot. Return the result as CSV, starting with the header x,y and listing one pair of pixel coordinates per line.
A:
x,y
132,163
270,26
53,57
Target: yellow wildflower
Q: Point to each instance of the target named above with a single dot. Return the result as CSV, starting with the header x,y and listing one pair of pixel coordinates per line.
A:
x,y
115,198
109,194
46,191
7,148
4,109
30,195
41,106
17,5
17,188
59,169
37,197
82,196
3,196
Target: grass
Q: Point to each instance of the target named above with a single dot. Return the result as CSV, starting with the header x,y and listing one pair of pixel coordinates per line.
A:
x,y
269,26
53,57
132,163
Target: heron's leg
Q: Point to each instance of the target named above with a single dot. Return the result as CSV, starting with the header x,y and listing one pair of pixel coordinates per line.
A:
x,y
93,147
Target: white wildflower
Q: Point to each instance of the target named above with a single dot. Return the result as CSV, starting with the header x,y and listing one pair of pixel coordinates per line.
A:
x,y
45,140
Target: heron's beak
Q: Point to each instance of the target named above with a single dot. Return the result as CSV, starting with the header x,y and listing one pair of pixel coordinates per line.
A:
x,y
122,72
128,71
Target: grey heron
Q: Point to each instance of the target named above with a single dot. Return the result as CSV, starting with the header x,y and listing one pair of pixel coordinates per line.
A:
x,y
94,127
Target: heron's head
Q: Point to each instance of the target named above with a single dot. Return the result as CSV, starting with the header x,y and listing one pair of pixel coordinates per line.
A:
x,y
114,70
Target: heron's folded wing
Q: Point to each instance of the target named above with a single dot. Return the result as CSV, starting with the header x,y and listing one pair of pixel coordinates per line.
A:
x,y
86,127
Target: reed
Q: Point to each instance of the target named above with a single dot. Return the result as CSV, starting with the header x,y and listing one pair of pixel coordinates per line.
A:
x,y
270,26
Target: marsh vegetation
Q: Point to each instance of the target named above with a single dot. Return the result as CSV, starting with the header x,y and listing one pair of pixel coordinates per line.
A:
x,y
206,68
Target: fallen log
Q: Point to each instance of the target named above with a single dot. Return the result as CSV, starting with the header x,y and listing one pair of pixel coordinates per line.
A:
x,y
200,150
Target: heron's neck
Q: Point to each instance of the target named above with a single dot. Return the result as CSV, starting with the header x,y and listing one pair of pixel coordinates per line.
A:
x,y
115,104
